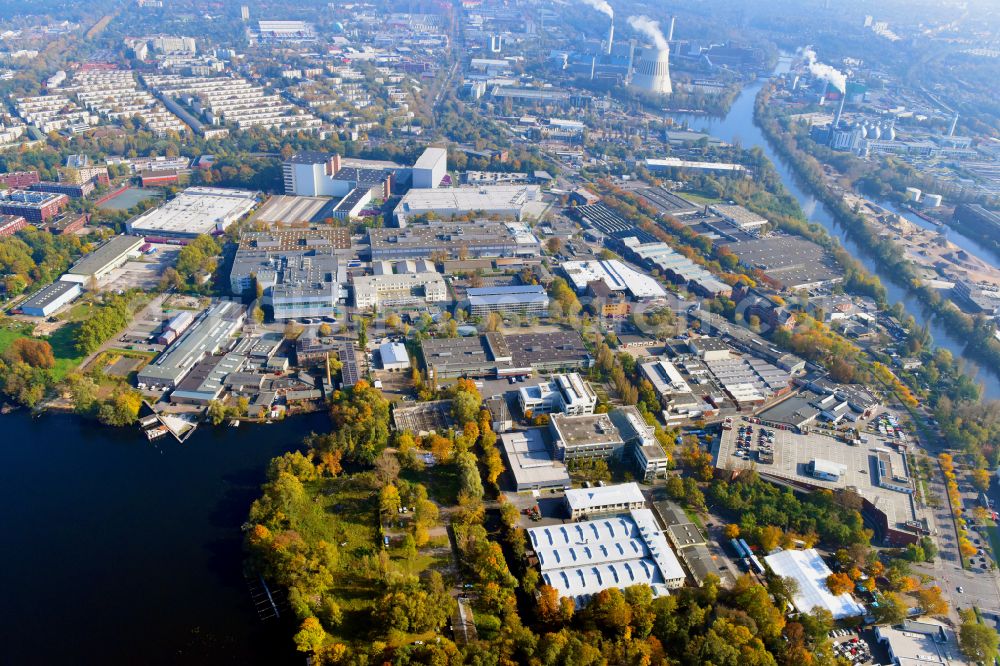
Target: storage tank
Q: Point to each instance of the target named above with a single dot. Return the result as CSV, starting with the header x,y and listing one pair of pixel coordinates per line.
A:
x,y
932,200
652,71
913,194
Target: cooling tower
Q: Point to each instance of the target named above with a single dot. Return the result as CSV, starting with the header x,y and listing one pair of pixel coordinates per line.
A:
x,y
652,71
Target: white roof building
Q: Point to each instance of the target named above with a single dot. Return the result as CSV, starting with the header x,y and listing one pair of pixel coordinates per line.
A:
x,y
195,211
922,642
512,201
583,558
615,275
394,356
810,572
604,499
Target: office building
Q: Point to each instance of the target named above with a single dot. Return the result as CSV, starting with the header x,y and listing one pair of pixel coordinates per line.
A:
x,y
399,290
582,558
585,437
548,352
50,298
566,394
582,503
35,207
195,211
430,168
529,461
94,267
522,300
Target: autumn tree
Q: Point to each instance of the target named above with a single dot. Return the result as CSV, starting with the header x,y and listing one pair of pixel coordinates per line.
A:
x,y
932,601
839,583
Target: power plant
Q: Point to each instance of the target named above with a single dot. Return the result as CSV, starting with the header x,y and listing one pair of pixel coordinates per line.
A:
x,y
652,71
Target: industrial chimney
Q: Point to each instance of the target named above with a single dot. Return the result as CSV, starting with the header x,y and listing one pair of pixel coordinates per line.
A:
x,y
670,35
954,126
611,38
836,117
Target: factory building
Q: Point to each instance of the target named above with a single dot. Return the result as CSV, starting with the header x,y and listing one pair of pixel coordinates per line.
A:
x,y
582,558
300,270
487,239
430,168
208,335
316,174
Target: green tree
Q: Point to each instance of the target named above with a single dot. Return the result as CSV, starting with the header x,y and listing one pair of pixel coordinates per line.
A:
x,y
977,641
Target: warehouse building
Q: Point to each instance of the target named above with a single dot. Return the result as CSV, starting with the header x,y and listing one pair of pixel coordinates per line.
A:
x,y
810,572
195,211
510,201
485,355
739,217
522,300
582,558
529,461
430,168
615,275
793,263
94,267
549,352
394,356
211,333
35,207
50,298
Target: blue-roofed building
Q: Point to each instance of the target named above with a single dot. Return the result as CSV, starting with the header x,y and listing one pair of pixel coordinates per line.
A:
x,y
525,300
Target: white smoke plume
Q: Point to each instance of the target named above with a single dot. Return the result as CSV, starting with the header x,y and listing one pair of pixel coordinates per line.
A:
x,y
601,6
651,29
830,74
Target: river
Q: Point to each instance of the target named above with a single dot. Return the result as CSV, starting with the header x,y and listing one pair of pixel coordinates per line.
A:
x,y
738,127
117,551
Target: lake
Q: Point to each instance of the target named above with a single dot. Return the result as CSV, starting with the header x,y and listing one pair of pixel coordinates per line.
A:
x,y
118,551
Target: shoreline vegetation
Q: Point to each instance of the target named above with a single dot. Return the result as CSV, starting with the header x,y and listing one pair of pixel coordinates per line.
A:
x,y
981,345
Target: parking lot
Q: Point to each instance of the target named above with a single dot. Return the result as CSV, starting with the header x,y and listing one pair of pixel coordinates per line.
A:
x,y
858,649
143,273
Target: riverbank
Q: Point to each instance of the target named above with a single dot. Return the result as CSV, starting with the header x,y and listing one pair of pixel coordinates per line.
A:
x,y
978,337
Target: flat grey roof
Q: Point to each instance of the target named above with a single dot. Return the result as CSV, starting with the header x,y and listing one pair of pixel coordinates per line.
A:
x,y
530,461
106,254
49,293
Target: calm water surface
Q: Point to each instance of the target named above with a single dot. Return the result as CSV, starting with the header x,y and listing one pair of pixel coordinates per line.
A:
x,y
117,551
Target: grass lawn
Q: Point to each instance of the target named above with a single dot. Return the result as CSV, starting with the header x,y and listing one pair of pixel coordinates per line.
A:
x,y
694,518
67,358
994,533
699,199
441,481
